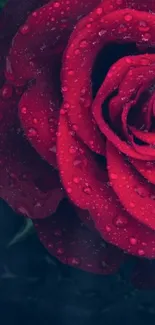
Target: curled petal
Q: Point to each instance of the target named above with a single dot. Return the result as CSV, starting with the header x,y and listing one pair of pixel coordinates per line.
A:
x,y
148,137
133,191
84,45
87,186
145,168
68,239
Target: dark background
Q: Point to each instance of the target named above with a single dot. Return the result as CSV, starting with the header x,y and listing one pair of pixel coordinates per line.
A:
x,y
36,289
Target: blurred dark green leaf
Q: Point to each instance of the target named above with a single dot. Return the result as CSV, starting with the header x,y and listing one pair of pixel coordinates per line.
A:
x,y
2,3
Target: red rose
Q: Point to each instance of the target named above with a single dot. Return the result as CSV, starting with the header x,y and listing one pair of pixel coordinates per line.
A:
x,y
77,146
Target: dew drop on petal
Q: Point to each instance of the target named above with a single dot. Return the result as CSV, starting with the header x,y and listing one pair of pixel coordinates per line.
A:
x,y
57,233
23,110
141,252
128,17
76,180
56,4
24,29
120,221
133,241
99,11
102,32
113,176
143,26
32,132
83,43
60,251
146,37
87,190
141,191
7,91
132,205
75,261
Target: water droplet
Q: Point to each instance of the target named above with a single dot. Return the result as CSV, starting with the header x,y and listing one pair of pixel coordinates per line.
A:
x,y
102,32
77,51
133,241
57,233
128,60
34,14
24,29
62,111
23,210
69,190
76,180
141,252
132,205
143,26
141,191
113,176
128,17
108,228
7,91
74,127
32,133
64,88
50,245
70,72
72,149
120,221
99,11
56,4
146,37
23,110
75,261
77,162
87,190
83,43
60,251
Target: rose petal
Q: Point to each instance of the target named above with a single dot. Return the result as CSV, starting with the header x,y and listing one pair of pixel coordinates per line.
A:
x,y
133,191
27,183
72,243
143,5
38,111
80,55
13,14
145,168
55,22
91,191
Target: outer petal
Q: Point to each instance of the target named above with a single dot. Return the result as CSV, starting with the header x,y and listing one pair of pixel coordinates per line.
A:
x,y
135,194
143,5
27,182
54,22
87,186
12,16
72,243
38,111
